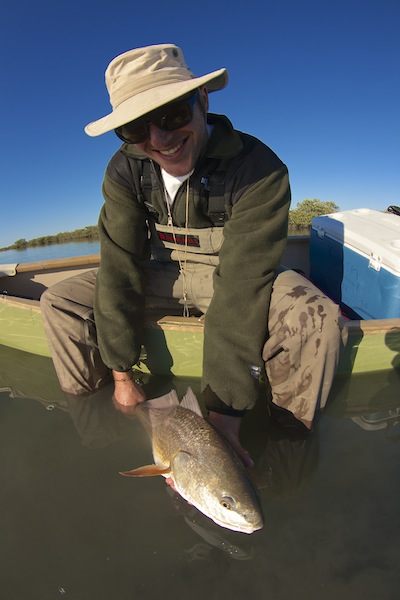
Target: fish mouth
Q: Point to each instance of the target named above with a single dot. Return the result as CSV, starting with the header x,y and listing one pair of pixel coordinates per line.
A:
x,y
241,527
251,529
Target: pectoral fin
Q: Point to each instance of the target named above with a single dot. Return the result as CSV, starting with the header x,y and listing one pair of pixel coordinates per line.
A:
x,y
147,471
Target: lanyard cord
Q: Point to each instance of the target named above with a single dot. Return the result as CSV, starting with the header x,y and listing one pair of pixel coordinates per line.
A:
x,y
182,264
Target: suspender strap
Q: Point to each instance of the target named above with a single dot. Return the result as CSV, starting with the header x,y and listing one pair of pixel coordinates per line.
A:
x,y
216,199
214,184
146,185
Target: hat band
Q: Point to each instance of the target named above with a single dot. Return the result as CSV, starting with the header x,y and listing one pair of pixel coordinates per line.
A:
x,y
137,86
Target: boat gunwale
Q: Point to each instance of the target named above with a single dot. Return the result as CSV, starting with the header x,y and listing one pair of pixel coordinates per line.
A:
x,y
193,323
365,337
372,326
58,263
168,322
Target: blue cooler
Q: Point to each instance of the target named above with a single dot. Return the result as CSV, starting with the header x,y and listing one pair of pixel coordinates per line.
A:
x,y
355,259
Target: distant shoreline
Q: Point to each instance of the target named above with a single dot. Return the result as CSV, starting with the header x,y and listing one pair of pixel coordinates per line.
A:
x,y
87,234
75,240
90,234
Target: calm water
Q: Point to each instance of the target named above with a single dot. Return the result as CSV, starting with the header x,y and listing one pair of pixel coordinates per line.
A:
x,y
72,527
49,252
58,251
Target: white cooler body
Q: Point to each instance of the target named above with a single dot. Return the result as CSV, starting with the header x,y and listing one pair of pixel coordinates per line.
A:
x,y
355,259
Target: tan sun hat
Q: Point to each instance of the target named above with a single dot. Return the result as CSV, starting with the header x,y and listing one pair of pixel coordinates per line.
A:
x,y
144,79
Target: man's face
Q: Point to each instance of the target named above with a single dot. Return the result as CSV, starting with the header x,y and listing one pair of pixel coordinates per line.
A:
x,y
178,151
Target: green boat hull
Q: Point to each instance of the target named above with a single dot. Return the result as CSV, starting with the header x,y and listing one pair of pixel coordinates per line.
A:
x,y
174,345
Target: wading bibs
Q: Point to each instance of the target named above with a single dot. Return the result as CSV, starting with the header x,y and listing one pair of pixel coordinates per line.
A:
x,y
201,245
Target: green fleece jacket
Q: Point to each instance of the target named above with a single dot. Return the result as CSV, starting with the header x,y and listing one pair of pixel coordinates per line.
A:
x,y
257,199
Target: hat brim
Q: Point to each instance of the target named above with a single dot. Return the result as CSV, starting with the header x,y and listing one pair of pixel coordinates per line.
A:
x,y
145,102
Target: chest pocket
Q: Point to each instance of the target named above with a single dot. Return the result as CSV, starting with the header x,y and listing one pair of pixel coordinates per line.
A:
x,y
198,245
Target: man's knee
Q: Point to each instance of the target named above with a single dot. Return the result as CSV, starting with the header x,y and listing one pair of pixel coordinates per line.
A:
x,y
73,294
298,303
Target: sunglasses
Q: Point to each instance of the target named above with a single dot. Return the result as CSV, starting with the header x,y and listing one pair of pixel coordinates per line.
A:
x,y
168,118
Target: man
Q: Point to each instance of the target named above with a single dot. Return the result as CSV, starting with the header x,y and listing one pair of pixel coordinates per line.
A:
x,y
210,206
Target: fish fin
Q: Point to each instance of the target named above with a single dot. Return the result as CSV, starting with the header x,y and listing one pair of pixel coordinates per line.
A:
x,y
170,399
190,402
152,411
147,471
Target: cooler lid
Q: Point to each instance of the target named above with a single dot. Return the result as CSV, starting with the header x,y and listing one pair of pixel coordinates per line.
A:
x,y
366,231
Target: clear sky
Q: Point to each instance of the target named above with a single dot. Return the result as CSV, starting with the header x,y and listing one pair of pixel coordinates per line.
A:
x,y
316,80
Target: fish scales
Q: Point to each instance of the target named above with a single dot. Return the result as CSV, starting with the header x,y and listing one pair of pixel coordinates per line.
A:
x,y
205,470
182,429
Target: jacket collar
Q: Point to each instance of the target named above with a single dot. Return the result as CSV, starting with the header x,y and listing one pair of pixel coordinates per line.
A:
x,y
224,142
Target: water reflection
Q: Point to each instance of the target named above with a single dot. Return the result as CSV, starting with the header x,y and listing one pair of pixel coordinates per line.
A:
x,y
71,523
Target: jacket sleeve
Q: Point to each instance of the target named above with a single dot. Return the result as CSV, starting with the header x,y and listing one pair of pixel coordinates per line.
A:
x,y
236,322
119,295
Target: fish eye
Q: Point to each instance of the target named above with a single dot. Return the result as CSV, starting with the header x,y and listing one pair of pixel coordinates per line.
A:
x,y
227,502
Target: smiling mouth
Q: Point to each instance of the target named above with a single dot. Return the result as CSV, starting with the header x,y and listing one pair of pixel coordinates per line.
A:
x,y
171,151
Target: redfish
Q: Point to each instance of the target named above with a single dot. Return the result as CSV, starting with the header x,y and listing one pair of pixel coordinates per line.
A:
x,y
204,468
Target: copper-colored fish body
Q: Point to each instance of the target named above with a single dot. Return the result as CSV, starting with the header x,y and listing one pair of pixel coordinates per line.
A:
x,y
204,468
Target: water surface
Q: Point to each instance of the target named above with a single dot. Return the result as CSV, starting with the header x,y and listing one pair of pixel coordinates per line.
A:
x,y
52,251
73,527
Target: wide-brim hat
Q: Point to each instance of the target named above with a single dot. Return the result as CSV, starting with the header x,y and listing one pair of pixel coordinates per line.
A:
x,y
144,79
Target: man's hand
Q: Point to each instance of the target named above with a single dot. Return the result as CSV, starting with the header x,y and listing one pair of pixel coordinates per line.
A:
x,y
127,393
229,427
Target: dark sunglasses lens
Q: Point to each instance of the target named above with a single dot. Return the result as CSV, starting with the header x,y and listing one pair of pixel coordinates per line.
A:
x,y
169,117
133,132
177,116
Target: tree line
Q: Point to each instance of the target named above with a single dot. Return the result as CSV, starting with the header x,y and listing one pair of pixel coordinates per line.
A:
x,y
299,218
89,233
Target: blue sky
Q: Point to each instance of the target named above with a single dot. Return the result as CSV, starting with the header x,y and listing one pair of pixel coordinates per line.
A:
x,y
316,80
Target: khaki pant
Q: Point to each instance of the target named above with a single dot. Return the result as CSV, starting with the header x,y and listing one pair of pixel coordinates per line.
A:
x,y
301,353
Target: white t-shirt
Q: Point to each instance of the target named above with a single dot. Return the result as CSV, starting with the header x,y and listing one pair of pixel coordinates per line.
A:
x,y
172,184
